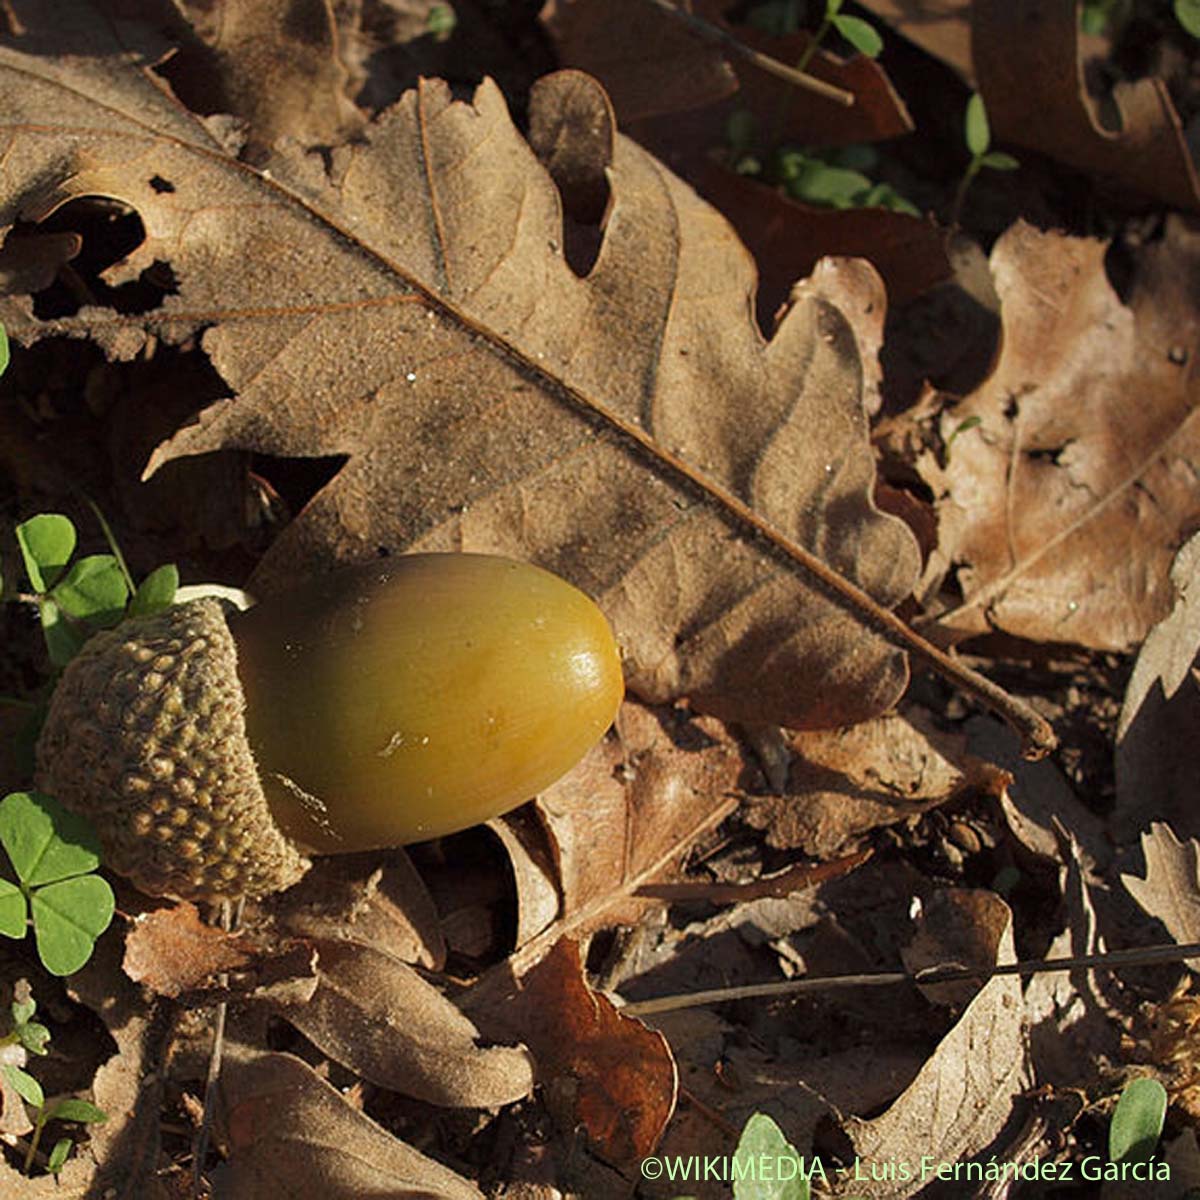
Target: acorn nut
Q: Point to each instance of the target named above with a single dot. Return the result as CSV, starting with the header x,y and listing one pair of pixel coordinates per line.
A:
x,y
374,707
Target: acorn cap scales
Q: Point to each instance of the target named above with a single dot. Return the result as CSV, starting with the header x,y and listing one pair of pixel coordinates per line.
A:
x,y
146,737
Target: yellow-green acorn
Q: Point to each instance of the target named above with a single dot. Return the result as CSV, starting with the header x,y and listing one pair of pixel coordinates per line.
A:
x,y
373,707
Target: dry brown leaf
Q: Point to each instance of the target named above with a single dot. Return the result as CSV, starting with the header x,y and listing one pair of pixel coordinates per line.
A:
x,y
376,899
291,1134
603,1071
1064,507
1171,889
648,63
940,27
378,1017
1030,74
1074,1023
788,240
271,63
652,64
171,950
1156,758
417,316
628,813
963,1094
529,854
846,782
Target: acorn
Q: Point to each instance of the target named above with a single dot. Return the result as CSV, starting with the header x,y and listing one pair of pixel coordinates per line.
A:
x,y
215,751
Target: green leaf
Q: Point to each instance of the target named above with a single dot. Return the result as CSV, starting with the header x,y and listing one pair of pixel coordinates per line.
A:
x,y
861,35
68,917
1137,1121
33,1037
1187,13
441,21
71,1109
94,590
762,1137
47,542
13,911
44,841
976,128
23,1010
156,593
57,1158
3,350
25,1085
63,640
832,8
818,183
999,161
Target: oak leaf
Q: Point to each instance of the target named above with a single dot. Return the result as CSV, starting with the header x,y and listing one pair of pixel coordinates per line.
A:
x,y
409,307
1071,480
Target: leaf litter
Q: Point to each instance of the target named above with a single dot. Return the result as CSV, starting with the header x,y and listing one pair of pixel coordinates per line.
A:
x,y
507,344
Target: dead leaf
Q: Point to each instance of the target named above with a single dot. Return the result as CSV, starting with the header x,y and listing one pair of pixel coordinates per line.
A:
x,y
648,62
529,854
1156,750
789,239
1168,654
489,382
1064,506
940,27
1030,73
290,1133
376,899
628,813
171,950
1171,889
964,1093
271,63
378,1017
846,782
601,1070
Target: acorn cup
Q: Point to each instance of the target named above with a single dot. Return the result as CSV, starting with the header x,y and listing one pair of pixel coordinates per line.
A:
x,y
374,707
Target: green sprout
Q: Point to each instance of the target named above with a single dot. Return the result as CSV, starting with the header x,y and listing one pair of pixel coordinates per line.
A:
x,y
3,350
93,592
53,853
32,1037
837,179
441,21
978,134
781,17
1137,1121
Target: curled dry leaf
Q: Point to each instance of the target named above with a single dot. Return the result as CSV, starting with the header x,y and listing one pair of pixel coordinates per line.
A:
x,y
292,1134
964,1094
1171,889
846,782
603,1071
378,1017
411,309
940,27
1030,73
1064,506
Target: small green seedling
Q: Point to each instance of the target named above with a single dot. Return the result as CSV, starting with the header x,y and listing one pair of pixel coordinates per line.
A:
x,y
836,179
33,1038
763,1141
782,17
441,21
94,592
978,133
3,350
963,426
1137,1122
53,853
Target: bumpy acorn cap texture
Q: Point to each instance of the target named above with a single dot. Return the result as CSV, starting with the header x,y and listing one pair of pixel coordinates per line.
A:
x,y
146,737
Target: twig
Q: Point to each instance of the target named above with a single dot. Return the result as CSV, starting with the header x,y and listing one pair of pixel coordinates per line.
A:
x,y
717,35
1137,956
229,921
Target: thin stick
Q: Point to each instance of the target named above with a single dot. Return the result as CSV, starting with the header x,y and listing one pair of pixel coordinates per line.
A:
x,y
717,35
229,921
1138,956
